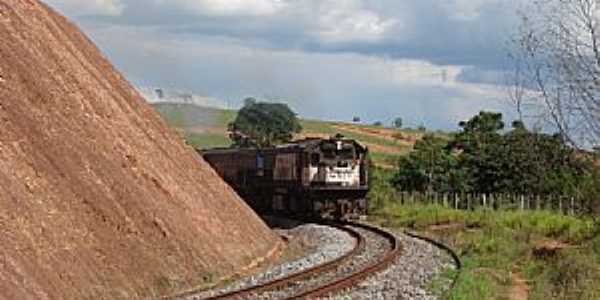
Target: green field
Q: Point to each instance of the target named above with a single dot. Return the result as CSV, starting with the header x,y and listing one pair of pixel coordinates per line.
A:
x,y
192,119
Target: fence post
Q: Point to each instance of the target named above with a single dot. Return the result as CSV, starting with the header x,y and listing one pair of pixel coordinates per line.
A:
x,y
522,202
469,200
560,208
572,210
455,200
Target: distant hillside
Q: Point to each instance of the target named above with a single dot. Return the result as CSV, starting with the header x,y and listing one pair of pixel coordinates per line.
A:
x,y
206,127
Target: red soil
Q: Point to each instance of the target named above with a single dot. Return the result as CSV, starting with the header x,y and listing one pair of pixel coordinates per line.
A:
x,y
99,199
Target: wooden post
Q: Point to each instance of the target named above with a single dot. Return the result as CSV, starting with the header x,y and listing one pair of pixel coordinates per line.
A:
x,y
572,210
560,208
455,200
522,202
469,201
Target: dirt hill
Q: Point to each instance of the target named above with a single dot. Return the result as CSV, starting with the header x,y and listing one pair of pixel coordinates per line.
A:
x,y
99,199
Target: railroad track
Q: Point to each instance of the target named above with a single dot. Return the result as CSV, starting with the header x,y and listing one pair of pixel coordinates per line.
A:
x,y
374,250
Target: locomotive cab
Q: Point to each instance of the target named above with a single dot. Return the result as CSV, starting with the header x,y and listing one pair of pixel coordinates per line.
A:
x,y
336,162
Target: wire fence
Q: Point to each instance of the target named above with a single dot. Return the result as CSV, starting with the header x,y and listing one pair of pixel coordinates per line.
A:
x,y
472,201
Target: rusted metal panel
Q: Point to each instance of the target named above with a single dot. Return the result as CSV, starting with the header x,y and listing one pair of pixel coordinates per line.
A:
x,y
285,167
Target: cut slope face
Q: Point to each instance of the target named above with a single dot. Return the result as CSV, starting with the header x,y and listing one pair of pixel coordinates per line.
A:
x,y
98,198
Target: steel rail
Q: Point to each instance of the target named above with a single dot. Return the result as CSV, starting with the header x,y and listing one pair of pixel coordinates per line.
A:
x,y
339,285
282,283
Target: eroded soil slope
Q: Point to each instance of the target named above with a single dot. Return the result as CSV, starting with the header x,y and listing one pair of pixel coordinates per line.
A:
x,y
98,198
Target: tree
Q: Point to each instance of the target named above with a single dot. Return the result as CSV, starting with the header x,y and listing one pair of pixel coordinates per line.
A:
x,y
430,167
557,67
480,141
482,159
397,123
262,124
356,119
377,123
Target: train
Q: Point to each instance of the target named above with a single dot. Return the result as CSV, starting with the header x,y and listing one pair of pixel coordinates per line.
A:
x,y
321,177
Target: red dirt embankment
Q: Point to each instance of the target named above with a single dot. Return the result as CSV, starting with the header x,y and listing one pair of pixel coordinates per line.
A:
x,y
99,199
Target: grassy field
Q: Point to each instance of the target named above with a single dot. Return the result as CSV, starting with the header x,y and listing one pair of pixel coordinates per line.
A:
x,y
205,127
558,256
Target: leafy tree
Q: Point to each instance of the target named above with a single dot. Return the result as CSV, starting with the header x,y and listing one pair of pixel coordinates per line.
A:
x,y
263,124
356,119
482,159
427,167
480,142
377,123
397,123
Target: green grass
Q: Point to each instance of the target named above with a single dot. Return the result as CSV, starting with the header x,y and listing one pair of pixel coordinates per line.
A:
x,y
542,223
207,140
315,126
181,115
494,244
387,159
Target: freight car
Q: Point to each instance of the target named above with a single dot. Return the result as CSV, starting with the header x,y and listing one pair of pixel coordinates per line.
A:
x,y
326,177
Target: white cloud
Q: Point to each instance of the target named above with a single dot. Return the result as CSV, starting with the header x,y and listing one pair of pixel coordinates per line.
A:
x,y
88,7
321,85
329,21
348,20
228,7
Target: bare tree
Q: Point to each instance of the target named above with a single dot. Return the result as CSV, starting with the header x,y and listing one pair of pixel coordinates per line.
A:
x,y
557,70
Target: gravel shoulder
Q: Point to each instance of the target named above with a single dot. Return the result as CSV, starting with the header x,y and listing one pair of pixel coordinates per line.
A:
x,y
310,245
420,264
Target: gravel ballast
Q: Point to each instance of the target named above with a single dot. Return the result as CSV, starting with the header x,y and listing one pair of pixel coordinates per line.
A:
x,y
375,248
418,265
408,278
327,243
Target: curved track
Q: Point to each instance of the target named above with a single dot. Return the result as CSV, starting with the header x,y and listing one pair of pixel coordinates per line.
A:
x,y
334,276
388,258
282,283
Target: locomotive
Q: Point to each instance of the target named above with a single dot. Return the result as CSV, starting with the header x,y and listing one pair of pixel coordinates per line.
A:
x,y
314,176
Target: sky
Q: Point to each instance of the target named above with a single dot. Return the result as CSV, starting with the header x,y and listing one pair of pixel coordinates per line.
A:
x,y
430,62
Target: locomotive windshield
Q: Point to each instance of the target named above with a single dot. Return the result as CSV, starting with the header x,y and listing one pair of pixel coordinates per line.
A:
x,y
337,151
